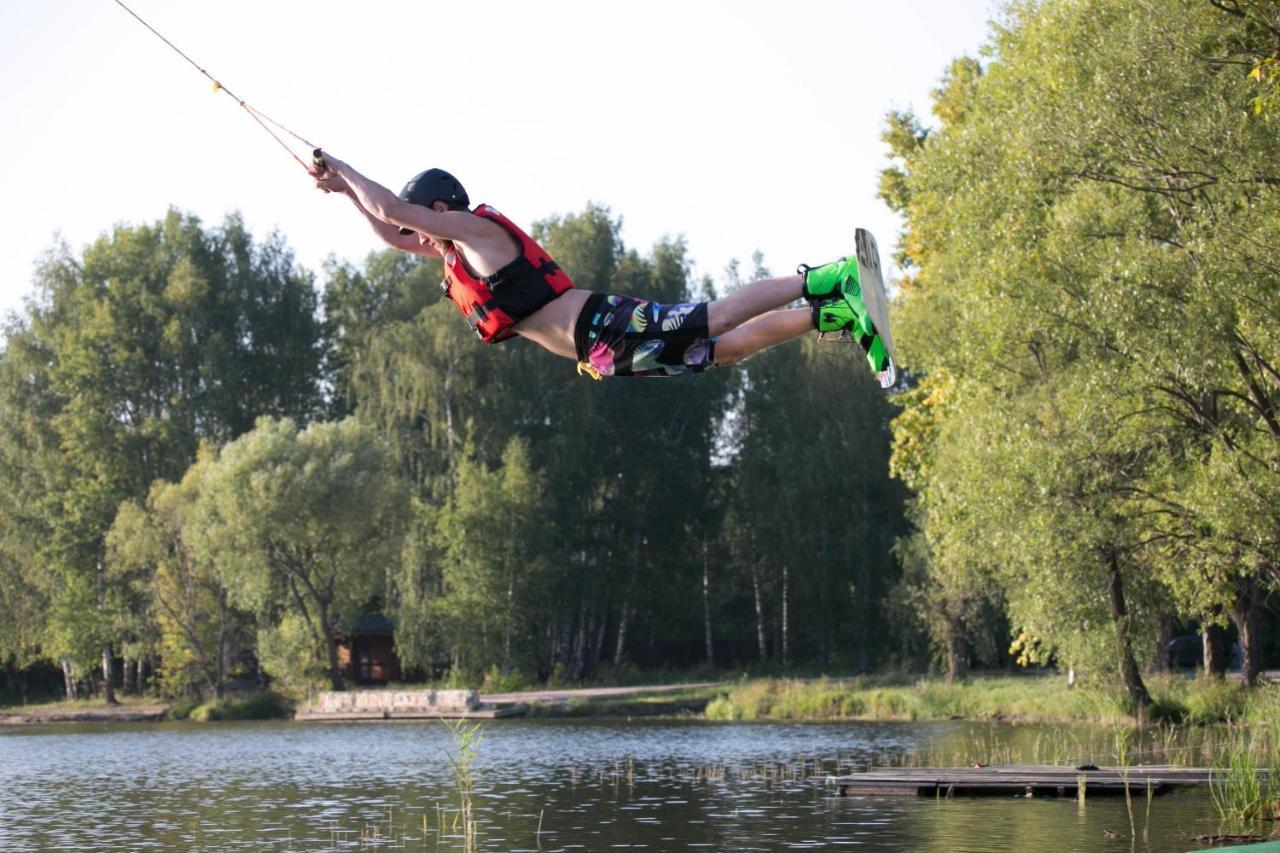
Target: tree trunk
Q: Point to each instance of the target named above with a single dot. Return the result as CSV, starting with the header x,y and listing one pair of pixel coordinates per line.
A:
x,y
1213,639
786,642
511,615
864,642
331,646
1129,671
597,646
957,650
706,602
760,640
108,688
1246,612
127,677
626,611
1160,664
224,644
620,643
69,679
142,673
577,655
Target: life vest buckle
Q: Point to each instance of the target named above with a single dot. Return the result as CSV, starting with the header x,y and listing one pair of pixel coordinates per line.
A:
x,y
478,315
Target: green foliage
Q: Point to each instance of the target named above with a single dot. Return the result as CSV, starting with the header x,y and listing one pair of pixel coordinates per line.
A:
x,y
1022,699
150,549
292,654
156,337
254,706
1092,279
303,526
493,544
1247,784
1089,308
181,708
393,287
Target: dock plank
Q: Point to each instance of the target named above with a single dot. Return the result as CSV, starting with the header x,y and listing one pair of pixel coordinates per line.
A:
x,y
1024,779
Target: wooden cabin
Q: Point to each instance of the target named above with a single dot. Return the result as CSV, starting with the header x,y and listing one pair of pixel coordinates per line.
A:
x,y
367,653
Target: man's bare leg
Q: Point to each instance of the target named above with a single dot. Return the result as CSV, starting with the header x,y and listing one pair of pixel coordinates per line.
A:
x,y
761,332
753,300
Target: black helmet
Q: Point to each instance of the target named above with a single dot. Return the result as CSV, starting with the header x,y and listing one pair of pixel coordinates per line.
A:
x,y
431,186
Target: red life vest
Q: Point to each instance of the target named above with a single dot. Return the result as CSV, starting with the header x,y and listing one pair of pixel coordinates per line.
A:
x,y
492,305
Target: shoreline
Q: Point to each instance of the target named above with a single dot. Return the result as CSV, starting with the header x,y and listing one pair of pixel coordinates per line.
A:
x,y
990,698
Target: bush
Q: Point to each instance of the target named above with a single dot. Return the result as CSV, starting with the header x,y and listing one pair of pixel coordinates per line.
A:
x,y
181,708
1215,701
288,653
511,681
254,706
723,708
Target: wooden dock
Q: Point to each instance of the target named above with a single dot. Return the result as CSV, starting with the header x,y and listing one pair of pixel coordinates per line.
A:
x,y
1025,780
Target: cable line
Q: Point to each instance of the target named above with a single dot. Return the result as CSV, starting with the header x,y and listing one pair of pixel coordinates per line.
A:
x,y
257,115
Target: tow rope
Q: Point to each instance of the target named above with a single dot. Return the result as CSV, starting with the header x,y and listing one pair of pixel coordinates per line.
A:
x,y
257,115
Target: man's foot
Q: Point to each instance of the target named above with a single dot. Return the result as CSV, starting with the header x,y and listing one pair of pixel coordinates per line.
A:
x,y
826,280
834,315
840,280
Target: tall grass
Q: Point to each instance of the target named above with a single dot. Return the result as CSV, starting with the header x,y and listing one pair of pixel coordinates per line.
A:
x,y
1246,785
467,738
1031,699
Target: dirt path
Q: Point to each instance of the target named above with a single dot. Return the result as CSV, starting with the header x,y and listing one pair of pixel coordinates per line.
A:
x,y
587,693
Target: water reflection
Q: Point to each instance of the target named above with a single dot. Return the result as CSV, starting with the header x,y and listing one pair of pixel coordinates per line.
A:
x,y
541,786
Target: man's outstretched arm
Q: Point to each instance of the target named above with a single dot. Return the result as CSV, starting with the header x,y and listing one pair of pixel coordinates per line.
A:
x,y
382,204
331,182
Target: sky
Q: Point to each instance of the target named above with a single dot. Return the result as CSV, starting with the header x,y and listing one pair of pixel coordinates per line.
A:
x,y
740,126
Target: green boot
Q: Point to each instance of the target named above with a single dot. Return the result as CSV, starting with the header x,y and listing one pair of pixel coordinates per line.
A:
x,y
835,315
830,279
838,280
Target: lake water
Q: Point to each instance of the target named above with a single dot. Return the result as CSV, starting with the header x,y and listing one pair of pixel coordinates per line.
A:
x,y
589,785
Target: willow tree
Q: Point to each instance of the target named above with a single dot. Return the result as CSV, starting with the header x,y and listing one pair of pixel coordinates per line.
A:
x,y
303,527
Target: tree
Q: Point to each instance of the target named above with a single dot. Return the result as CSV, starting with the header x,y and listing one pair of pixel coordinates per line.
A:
x,y
495,556
158,336
150,547
447,405
1076,213
304,524
393,287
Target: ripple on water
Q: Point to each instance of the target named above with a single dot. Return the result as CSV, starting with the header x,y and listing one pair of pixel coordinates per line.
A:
x,y
590,785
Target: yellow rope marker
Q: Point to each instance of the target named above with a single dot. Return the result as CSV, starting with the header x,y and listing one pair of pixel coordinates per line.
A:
x,y
216,86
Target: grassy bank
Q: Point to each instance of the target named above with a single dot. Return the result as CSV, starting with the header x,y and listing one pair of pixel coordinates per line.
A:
x,y
251,706
1030,699
68,706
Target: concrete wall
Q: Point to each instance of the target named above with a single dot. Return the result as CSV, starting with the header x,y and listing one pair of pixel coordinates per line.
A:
x,y
393,701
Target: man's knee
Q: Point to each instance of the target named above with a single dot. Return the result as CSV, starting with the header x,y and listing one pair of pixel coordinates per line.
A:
x,y
727,355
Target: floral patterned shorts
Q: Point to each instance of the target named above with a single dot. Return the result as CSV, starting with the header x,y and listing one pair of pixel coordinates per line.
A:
x,y
624,336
